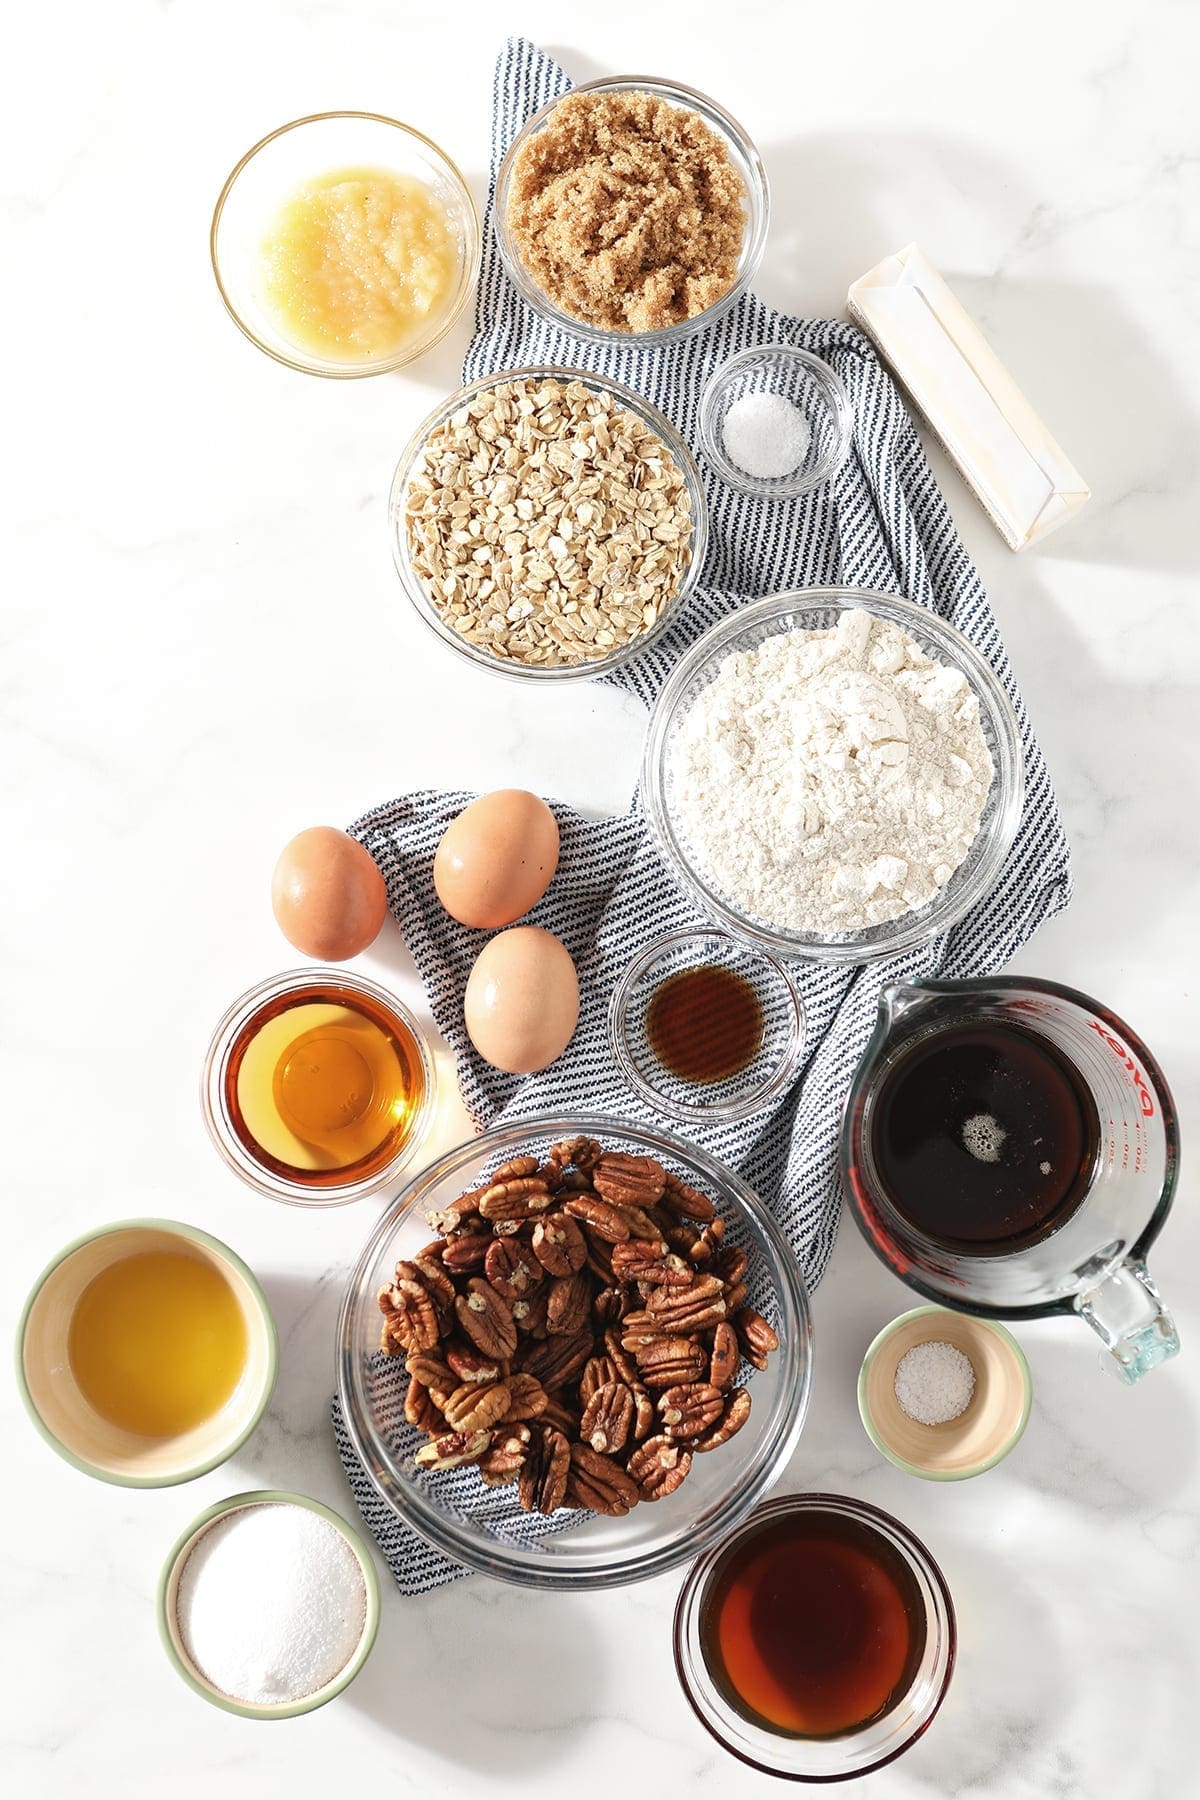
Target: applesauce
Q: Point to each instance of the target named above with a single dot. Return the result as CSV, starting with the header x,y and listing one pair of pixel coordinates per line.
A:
x,y
357,263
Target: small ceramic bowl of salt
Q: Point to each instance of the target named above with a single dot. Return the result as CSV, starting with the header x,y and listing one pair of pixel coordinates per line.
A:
x,y
268,1605
944,1395
775,422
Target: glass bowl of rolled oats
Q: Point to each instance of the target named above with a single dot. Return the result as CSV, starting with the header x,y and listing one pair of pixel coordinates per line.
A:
x,y
547,523
631,209
550,1340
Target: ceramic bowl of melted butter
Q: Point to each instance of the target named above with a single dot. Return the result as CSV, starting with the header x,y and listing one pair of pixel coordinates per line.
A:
x,y
146,1353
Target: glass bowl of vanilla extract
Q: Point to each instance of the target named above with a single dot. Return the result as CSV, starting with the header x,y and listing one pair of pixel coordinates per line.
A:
x,y
318,1087
817,1641
704,1026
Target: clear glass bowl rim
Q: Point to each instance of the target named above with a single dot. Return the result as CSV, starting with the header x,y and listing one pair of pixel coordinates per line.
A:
x,y
526,1568
264,1181
692,1593
411,583
744,1104
954,900
758,206
779,488
469,276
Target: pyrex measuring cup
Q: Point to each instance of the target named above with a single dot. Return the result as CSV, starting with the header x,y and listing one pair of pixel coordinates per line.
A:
x,y
1094,1264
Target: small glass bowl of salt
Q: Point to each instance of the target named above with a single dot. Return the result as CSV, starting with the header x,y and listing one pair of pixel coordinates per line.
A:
x,y
775,422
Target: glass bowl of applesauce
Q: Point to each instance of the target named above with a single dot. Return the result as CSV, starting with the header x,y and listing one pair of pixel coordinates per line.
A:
x,y
345,244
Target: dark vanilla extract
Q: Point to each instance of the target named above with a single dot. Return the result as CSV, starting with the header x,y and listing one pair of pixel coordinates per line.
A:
x,y
984,1136
813,1626
705,1024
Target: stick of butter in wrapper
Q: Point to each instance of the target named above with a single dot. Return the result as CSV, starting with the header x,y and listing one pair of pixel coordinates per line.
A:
x,y
969,400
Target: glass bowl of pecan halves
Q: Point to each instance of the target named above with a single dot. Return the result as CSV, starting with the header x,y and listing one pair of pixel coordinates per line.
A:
x,y
575,1352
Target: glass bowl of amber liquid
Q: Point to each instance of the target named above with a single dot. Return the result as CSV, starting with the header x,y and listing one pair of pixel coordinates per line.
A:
x,y
318,1087
817,1640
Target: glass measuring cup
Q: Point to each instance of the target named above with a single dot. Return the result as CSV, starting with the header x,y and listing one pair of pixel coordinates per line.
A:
x,y
1094,1263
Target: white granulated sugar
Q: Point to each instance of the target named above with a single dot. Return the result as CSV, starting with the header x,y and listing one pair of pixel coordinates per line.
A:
x,y
984,1137
271,1604
765,436
831,780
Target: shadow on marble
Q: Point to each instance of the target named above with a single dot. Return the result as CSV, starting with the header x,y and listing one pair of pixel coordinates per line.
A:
x,y
488,1677
294,1445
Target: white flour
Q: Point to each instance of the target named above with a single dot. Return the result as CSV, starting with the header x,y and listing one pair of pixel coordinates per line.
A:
x,y
830,780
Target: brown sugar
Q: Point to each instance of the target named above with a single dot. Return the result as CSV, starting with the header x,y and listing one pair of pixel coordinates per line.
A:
x,y
627,211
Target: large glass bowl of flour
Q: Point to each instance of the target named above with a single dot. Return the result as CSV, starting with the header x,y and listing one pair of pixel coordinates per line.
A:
x,y
744,831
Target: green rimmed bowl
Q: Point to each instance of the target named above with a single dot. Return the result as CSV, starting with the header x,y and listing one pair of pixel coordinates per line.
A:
x,y
168,1597
72,1426
992,1421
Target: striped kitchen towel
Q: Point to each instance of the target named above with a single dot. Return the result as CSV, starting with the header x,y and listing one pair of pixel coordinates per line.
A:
x,y
881,524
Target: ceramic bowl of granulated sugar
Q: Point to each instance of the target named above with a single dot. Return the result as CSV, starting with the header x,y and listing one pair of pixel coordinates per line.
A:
x,y
268,1605
944,1395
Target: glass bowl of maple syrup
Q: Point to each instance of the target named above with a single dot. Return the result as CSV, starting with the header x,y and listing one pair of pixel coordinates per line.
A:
x,y
817,1641
318,1087
704,1026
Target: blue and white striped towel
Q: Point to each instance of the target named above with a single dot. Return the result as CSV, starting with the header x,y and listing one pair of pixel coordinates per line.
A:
x,y
882,524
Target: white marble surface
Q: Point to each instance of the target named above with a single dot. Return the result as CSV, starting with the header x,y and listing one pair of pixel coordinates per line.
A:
x,y
205,650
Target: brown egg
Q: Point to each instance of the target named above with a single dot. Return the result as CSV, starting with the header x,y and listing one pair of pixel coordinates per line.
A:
x,y
497,859
521,1005
327,894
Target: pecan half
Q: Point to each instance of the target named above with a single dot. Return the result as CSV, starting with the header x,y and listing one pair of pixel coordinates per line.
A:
x,y
513,1170
474,1408
688,1409
463,1255
421,1410
449,1218
569,1306
559,1245
555,1360
737,1411
529,1313
684,1201
453,1449
623,1361
604,1219
599,1261
584,1152
659,1466
726,1355
754,1335
469,1364
729,1264
543,1478
486,1319
665,1361
688,1309
505,1457
608,1418
643,1414
519,1199
651,1263
597,1371
629,1180
526,1398
596,1481
433,1372
610,1306
410,1316
512,1268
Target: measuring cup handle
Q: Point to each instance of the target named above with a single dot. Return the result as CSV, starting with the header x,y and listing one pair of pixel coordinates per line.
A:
x,y
1126,1310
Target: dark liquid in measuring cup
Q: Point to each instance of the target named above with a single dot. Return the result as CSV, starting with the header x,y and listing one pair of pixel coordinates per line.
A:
x,y
983,1135
705,1024
814,1625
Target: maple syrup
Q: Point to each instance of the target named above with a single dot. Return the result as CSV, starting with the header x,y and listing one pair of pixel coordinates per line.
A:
x,y
705,1024
983,1136
814,1625
324,1085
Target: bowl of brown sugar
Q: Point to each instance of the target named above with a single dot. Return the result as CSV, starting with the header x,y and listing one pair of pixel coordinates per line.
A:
x,y
631,208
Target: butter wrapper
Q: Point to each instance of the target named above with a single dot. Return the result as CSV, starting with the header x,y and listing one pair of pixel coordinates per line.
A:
x,y
970,402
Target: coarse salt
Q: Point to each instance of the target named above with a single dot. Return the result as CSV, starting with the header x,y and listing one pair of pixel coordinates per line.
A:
x,y
271,1604
765,436
934,1383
